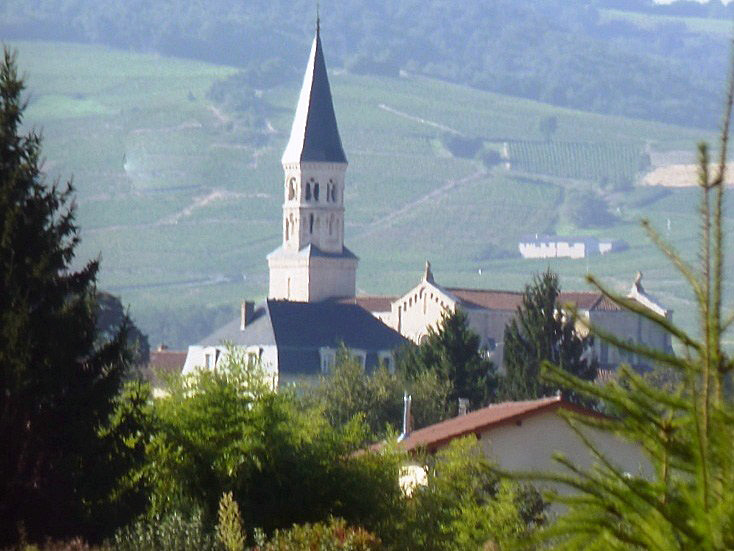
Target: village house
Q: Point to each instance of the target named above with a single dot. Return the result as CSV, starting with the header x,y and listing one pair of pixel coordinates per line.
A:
x,y
523,437
554,246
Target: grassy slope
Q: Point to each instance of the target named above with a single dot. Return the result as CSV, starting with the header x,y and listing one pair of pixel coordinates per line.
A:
x,y
183,211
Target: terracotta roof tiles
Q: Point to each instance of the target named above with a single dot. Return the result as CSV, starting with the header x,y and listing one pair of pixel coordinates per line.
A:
x,y
435,436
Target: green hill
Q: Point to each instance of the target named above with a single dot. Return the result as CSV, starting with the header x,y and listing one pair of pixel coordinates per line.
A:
x,y
182,197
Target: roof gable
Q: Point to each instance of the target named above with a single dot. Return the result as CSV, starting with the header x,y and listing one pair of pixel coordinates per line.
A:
x,y
314,134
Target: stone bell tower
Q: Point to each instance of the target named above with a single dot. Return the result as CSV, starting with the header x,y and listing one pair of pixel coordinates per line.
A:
x,y
313,264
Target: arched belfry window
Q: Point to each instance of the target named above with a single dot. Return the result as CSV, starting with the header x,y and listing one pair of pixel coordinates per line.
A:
x,y
291,189
287,229
308,191
316,191
333,193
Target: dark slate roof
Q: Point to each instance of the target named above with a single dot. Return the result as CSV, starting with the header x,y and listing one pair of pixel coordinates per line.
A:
x,y
259,331
329,323
300,329
312,250
314,135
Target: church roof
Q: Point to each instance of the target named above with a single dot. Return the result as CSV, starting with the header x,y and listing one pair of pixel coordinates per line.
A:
x,y
511,300
301,329
314,135
371,303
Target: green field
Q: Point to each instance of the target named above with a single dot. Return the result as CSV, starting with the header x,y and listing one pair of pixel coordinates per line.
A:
x,y
182,208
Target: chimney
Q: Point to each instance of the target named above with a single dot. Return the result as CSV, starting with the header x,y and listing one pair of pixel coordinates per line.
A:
x,y
463,406
247,311
407,420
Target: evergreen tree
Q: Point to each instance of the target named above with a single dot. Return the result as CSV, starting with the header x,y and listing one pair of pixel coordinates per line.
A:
x,y
686,499
540,332
453,351
56,389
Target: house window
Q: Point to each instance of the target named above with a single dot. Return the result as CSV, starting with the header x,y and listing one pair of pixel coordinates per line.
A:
x,y
208,361
386,360
360,356
328,358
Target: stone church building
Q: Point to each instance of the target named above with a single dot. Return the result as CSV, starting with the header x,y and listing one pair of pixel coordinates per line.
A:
x,y
312,308
298,329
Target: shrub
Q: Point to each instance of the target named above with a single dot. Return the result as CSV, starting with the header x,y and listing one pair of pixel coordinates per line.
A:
x,y
174,531
333,535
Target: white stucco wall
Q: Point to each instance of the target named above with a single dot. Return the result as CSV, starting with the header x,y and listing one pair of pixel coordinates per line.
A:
x,y
530,445
196,359
419,309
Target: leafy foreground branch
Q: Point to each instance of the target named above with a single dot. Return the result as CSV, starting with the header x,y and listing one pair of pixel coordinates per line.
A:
x,y
686,500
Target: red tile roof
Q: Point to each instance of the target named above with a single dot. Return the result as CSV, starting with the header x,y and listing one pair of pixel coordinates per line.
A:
x,y
435,436
167,361
371,303
510,300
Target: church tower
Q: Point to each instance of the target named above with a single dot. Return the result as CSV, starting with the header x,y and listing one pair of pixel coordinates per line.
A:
x,y
313,264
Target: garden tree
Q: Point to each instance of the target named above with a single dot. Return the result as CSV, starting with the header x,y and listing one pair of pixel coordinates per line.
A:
x,y
686,500
540,332
57,389
465,506
348,390
228,431
452,351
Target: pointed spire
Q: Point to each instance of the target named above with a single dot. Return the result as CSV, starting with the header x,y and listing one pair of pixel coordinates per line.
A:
x,y
314,134
428,274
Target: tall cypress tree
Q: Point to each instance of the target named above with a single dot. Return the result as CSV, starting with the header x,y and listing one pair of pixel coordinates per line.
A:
x,y
56,388
540,332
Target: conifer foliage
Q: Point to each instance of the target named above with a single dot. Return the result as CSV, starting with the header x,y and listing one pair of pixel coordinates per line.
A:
x,y
684,499
452,350
56,388
542,331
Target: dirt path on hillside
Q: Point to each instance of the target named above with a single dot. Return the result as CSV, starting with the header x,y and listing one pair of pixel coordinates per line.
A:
x,y
420,119
434,196
199,202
